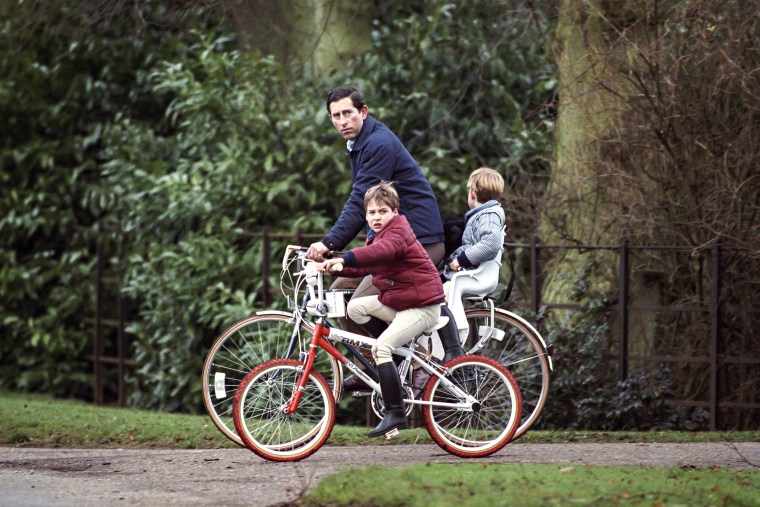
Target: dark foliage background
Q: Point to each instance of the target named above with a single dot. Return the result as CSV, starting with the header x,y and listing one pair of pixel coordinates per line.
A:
x,y
147,121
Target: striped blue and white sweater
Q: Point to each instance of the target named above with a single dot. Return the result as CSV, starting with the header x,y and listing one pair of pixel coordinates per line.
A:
x,y
482,237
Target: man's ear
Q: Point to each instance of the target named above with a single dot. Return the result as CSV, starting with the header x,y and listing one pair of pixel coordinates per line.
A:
x,y
364,111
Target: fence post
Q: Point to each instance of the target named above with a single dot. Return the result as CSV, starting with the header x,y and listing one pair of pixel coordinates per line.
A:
x,y
97,394
265,268
714,335
534,286
121,344
623,310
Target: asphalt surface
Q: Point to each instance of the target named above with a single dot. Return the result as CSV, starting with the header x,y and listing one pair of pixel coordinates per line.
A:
x,y
114,477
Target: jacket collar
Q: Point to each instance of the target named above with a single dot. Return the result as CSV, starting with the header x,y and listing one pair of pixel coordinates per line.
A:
x,y
367,127
372,234
482,207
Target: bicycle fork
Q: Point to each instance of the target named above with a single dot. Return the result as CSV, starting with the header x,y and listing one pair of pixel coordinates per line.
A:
x,y
318,340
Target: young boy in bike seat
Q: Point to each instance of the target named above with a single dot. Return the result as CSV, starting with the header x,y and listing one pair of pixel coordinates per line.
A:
x,y
410,296
482,243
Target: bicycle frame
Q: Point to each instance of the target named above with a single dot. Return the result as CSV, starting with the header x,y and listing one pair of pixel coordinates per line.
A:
x,y
300,312
324,334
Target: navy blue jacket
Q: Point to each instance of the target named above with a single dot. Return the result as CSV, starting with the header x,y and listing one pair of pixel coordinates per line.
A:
x,y
378,155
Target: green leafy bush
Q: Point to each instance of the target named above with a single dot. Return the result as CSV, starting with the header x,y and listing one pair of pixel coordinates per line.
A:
x,y
63,78
183,149
467,84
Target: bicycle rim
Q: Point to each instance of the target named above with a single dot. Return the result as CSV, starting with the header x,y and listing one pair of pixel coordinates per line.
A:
x,y
261,423
490,424
241,348
520,351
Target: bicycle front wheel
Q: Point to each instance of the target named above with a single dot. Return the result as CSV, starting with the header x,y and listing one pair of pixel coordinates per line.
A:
x,y
483,427
260,419
514,344
242,347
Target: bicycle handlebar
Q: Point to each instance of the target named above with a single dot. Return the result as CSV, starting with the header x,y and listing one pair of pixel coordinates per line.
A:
x,y
290,249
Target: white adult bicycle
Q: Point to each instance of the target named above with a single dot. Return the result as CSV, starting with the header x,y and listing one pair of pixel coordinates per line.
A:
x,y
493,332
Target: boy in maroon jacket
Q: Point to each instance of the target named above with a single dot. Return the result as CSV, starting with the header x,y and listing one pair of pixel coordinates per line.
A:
x,y
410,296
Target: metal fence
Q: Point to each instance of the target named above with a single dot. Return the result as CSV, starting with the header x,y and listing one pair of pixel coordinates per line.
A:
x,y
714,359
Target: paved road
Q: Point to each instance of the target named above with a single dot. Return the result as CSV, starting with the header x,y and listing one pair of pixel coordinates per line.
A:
x,y
114,477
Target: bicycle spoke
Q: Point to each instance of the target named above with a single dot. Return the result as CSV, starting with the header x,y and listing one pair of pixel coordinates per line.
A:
x,y
479,429
520,350
261,422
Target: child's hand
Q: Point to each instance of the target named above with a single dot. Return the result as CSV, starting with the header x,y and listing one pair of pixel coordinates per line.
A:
x,y
454,265
335,264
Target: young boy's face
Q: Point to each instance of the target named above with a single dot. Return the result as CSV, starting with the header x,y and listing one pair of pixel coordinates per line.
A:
x,y
378,215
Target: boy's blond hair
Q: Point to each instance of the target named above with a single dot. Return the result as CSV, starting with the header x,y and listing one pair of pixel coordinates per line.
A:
x,y
382,193
487,184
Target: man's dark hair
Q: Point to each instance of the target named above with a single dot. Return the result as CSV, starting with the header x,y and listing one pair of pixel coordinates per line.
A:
x,y
341,92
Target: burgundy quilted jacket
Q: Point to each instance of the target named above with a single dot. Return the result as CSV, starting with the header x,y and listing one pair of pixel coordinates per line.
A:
x,y
399,266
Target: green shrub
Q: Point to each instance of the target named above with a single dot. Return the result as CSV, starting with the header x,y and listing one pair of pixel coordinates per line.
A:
x,y
183,149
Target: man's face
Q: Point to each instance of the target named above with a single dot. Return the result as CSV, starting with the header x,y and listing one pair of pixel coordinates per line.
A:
x,y
346,118
378,215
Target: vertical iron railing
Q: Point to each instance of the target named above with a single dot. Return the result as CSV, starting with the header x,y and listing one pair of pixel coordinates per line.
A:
x,y
623,311
99,359
97,346
714,336
535,303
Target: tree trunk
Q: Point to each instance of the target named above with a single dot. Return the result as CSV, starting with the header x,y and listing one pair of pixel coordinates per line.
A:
x,y
318,33
579,208
576,210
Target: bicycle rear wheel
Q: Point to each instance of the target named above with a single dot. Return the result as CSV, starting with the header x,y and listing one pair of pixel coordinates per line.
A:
x,y
259,418
489,424
242,347
517,346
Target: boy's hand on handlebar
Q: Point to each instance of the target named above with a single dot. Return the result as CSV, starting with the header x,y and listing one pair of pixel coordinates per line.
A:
x,y
335,264
316,251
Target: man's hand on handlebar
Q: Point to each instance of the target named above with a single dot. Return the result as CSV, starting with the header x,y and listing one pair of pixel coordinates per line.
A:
x,y
316,251
335,264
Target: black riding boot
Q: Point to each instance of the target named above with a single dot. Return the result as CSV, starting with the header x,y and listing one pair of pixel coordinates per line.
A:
x,y
374,327
449,336
390,385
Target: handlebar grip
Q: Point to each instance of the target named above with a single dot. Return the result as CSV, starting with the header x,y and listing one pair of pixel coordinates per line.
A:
x,y
337,267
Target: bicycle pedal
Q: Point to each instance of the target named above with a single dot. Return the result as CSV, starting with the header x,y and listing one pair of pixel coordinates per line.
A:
x,y
392,433
361,394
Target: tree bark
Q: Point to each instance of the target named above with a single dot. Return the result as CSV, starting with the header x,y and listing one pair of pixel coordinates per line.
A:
x,y
580,207
319,33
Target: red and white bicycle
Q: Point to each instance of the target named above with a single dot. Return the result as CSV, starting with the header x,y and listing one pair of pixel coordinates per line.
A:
x,y
284,409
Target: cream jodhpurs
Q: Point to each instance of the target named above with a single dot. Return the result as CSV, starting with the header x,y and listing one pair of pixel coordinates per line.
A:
x,y
404,325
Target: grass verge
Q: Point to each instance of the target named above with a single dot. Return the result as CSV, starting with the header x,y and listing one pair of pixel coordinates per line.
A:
x,y
473,484
43,421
